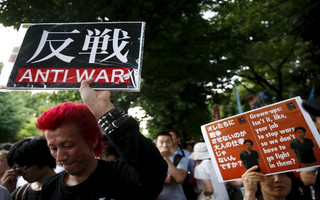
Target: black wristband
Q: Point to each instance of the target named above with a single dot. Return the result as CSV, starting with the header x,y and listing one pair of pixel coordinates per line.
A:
x,y
116,124
106,119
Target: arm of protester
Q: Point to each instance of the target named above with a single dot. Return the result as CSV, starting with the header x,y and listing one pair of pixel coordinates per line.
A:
x,y
250,181
309,177
168,179
196,190
139,158
176,173
98,101
9,179
208,188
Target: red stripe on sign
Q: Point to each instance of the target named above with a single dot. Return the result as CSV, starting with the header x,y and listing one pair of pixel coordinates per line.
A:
x,y
73,75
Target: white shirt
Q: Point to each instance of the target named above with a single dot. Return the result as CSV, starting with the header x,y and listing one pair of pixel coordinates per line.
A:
x,y
174,191
205,171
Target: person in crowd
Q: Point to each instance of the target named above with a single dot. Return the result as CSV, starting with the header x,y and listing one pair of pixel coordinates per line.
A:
x,y
4,149
190,145
177,172
6,146
177,149
272,187
308,177
235,190
313,108
109,152
249,156
4,193
31,159
206,178
74,138
303,148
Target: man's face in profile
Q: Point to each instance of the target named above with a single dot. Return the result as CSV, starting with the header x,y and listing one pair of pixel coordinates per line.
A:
x,y
300,134
247,146
175,139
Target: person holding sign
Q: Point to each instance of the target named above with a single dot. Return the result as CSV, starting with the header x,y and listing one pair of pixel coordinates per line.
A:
x,y
74,139
249,157
303,148
284,186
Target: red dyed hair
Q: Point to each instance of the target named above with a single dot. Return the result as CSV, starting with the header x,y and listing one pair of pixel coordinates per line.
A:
x,y
76,113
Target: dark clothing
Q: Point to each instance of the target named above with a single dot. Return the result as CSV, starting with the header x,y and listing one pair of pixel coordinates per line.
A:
x,y
138,174
25,193
299,191
317,185
303,150
249,160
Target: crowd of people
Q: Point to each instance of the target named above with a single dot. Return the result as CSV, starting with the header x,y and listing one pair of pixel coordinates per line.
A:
x,y
96,151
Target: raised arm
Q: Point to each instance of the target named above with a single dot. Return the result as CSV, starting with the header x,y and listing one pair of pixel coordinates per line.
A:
x,y
176,174
98,101
141,169
250,181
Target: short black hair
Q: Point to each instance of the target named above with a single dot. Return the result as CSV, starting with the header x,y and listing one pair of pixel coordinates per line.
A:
x,y
300,128
176,132
6,146
31,151
163,133
248,140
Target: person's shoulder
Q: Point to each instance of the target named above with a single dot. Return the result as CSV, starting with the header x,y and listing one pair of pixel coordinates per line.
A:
x,y
307,139
294,142
243,153
3,189
54,179
186,153
178,159
183,162
4,193
206,163
104,164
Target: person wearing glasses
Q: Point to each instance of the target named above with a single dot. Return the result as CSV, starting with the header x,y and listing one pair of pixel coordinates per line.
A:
x,y
31,159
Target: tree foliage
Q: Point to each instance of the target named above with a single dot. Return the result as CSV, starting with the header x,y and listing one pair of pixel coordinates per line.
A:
x,y
29,129
267,50
175,31
12,116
